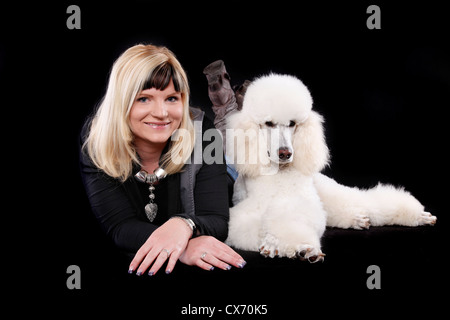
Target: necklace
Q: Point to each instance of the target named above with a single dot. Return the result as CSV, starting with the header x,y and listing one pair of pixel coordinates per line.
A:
x,y
151,209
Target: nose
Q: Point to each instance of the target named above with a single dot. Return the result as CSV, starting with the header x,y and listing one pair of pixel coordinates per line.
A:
x,y
159,110
284,153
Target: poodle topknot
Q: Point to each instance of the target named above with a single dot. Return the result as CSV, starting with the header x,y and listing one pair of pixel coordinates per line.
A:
x,y
270,93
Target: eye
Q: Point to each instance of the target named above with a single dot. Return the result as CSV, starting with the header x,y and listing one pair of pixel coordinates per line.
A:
x,y
173,99
142,99
292,123
270,124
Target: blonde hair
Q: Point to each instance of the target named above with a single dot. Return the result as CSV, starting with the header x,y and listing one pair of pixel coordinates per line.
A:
x,y
110,140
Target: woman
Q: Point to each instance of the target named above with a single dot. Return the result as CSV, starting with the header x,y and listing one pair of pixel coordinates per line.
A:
x,y
180,212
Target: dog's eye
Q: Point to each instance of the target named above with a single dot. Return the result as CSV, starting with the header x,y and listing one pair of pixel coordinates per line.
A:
x,y
291,123
270,124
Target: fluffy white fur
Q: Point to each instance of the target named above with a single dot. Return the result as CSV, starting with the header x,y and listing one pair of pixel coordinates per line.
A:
x,y
282,207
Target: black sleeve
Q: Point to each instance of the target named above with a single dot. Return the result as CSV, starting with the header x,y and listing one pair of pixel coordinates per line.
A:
x,y
211,195
211,201
113,208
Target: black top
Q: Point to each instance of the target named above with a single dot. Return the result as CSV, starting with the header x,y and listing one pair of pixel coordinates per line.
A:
x,y
119,206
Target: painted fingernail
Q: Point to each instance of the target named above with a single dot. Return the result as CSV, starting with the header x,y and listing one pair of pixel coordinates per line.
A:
x,y
150,273
228,267
139,273
211,269
242,264
130,271
168,271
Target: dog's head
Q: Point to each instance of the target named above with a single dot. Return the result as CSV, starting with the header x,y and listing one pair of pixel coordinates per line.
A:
x,y
277,128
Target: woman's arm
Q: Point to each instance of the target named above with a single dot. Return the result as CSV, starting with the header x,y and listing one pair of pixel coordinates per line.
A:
x,y
211,194
211,218
111,205
112,208
211,201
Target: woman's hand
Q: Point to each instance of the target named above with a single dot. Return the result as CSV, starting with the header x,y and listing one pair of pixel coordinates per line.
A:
x,y
207,252
167,242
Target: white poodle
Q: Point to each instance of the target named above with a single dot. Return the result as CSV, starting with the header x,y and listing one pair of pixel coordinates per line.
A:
x,y
282,202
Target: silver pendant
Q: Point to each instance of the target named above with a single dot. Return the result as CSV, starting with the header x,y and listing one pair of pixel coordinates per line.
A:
x,y
150,210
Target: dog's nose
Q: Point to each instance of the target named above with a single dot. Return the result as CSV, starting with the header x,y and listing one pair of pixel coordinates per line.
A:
x,y
284,154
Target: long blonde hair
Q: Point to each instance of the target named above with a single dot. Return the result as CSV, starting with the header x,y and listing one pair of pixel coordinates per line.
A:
x,y
110,141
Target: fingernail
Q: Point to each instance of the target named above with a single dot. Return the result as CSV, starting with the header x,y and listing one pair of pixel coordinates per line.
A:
x,y
168,271
228,267
211,269
130,271
150,273
242,264
138,273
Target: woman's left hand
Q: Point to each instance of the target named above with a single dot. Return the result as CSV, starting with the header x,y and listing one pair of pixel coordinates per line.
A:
x,y
207,252
166,243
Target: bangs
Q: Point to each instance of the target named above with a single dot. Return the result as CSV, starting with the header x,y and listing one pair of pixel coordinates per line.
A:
x,y
161,76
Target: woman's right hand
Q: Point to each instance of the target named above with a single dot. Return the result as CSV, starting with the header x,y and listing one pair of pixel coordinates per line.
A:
x,y
165,243
207,252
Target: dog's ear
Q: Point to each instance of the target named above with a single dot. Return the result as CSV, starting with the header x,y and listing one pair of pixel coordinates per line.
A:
x,y
243,141
310,149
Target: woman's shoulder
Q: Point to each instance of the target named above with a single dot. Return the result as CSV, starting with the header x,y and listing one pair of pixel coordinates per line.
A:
x,y
199,116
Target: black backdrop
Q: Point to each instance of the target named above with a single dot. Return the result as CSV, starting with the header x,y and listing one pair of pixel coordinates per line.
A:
x,y
384,95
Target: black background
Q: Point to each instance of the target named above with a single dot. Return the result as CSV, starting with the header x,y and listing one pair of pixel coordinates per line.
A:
x,y
384,95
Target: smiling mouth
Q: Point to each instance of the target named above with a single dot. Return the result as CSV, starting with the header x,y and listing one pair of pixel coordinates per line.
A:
x,y
158,125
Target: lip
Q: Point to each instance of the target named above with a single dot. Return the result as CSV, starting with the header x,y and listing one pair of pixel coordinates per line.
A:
x,y
158,125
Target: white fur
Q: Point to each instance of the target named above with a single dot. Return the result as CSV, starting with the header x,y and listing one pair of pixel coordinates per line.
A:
x,y
282,207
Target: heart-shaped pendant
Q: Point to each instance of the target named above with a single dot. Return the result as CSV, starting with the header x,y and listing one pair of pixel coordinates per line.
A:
x,y
150,210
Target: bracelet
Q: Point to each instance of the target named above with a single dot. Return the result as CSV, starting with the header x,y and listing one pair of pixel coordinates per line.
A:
x,y
188,222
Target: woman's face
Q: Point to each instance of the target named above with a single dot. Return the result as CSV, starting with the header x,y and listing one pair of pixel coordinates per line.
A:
x,y
155,115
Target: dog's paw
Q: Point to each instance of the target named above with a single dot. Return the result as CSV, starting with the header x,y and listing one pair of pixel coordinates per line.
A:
x,y
426,218
310,253
361,221
269,246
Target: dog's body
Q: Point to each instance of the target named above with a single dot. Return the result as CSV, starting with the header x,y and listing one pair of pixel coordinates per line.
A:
x,y
282,201
281,215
